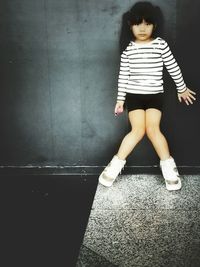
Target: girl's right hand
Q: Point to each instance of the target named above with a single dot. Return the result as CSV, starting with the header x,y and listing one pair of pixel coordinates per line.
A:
x,y
119,107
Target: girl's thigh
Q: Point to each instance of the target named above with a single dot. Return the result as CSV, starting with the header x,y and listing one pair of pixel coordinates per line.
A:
x,y
137,118
153,117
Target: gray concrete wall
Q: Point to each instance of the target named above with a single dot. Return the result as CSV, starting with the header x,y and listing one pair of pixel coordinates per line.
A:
x,y
59,62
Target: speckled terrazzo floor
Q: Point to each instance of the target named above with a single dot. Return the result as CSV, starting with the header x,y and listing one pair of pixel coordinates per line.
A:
x,y
138,223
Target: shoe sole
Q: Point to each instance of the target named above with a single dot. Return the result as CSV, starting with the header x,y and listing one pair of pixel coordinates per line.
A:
x,y
173,187
104,182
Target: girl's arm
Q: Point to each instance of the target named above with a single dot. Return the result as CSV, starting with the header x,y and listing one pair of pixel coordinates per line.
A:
x,y
173,68
123,77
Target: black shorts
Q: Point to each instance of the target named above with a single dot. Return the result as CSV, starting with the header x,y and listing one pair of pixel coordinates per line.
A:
x,y
141,101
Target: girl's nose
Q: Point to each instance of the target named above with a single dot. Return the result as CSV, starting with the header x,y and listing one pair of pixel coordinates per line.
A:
x,y
142,27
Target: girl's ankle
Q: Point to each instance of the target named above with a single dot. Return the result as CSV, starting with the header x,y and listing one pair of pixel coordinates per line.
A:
x,y
120,158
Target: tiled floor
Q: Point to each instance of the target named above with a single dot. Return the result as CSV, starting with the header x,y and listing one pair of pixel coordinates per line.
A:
x,y
138,223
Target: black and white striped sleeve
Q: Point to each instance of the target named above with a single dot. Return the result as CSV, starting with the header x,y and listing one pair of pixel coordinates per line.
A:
x,y
173,68
123,77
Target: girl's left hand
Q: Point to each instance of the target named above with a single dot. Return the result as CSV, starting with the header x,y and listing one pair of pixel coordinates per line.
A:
x,y
187,96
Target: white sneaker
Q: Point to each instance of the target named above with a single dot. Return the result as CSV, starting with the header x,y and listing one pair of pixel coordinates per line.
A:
x,y
110,173
170,174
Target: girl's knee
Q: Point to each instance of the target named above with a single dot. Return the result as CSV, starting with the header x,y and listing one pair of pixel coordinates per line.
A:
x,y
152,131
139,131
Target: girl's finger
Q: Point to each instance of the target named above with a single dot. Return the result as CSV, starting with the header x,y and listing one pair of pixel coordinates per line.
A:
x,y
191,96
192,92
190,101
186,99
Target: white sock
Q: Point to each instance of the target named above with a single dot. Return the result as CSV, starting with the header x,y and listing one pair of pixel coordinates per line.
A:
x,y
166,159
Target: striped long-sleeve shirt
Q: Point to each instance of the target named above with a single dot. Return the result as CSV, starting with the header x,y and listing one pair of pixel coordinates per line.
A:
x,y
141,69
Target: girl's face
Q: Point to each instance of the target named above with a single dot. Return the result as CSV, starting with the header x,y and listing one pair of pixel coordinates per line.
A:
x,y
143,31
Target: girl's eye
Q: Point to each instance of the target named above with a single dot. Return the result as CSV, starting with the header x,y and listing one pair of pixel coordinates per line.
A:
x,y
137,24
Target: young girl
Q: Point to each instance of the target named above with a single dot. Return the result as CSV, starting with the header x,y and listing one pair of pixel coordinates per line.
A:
x,y
140,87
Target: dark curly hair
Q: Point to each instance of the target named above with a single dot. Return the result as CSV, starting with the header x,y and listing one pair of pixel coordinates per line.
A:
x,y
139,12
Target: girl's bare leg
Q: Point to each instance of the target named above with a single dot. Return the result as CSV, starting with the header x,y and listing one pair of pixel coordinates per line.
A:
x,y
153,117
137,121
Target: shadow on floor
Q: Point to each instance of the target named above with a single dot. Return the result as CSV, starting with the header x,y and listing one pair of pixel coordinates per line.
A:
x,y
43,218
